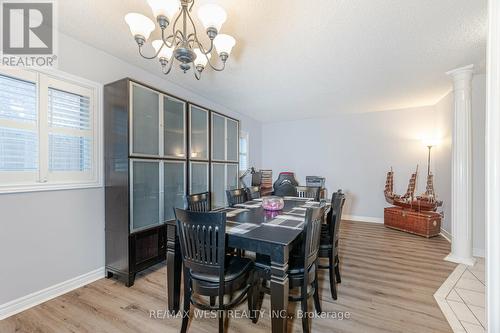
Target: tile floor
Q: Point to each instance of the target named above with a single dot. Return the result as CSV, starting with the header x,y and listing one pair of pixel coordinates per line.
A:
x,y
462,298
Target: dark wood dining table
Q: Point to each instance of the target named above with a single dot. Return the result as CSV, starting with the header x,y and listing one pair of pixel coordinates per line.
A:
x,y
251,228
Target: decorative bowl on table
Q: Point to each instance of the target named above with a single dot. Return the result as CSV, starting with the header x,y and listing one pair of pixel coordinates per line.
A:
x,y
273,203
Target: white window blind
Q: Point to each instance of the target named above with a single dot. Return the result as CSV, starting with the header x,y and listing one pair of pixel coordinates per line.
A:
x,y
70,135
244,165
48,131
18,128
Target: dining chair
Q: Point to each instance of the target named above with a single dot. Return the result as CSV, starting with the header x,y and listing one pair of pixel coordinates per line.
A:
x,y
208,271
308,192
199,202
329,244
285,190
302,271
237,196
253,192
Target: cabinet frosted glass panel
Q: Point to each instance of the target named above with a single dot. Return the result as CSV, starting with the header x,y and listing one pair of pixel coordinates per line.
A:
x,y
199,177
173,128
199,133
174,188
145,122
218,185
232,140
145,194
218,137
232,176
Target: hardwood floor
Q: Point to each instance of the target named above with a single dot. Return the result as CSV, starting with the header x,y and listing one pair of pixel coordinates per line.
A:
x,y
388,282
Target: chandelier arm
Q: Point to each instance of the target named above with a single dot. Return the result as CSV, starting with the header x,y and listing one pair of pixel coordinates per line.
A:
x,y
220,69
197,74
195,35
165,39
169,67
174,31
149,57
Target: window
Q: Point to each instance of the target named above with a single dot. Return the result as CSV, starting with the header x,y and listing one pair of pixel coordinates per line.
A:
x,y
243,152
49,134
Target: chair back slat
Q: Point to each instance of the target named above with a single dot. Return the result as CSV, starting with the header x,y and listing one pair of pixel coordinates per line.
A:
x,y
253,192
312,233
308,192
236,196
199,202
202,239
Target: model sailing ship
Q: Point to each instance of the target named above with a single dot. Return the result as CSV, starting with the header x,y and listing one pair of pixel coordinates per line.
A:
x,y
424,202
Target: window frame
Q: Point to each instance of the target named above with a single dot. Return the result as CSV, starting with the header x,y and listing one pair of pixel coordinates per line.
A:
x,y
44,180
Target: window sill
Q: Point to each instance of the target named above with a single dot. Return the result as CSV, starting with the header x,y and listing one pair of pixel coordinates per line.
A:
x,y
47,187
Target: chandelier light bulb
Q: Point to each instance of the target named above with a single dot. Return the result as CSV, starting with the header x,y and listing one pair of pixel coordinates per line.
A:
x,y
224,44
139,25
212,16
165,8
201,59
166,52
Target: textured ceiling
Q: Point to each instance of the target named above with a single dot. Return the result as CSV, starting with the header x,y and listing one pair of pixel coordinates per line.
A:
x,y
300,59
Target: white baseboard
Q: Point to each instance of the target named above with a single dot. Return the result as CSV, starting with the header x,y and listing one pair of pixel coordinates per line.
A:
x,y
476,252
363,218
28,301
446,235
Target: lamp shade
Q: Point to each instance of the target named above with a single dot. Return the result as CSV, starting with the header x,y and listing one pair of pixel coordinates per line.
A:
x,y
201,59
212,16
167,8
139,25
224,43
431,142
166,52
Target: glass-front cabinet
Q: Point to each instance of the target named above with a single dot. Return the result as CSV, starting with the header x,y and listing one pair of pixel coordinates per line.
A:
x,y
225,142
224,177
199,177
145,194
158,156
157,187
145,121
198,131
225,136
158,124
174,128
174,187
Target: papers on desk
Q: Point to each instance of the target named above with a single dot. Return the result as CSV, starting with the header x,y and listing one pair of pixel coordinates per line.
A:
x,y
309,204
239,228
290,217
298,198
286,221
256,205
234,212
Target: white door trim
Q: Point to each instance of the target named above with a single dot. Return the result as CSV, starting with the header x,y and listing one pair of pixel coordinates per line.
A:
x,y
493,169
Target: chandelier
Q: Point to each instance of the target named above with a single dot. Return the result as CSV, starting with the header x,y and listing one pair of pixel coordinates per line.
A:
x,y
183,43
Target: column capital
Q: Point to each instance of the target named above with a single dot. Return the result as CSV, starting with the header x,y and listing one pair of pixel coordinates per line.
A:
x,y
462,73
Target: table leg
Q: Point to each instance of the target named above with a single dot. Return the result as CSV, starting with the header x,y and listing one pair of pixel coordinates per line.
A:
x,y
279,290
174,267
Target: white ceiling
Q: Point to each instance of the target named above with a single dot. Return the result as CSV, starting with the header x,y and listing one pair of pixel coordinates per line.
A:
x,y
301,58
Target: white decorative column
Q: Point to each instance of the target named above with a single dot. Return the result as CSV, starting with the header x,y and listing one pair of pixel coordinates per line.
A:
x,y
461,168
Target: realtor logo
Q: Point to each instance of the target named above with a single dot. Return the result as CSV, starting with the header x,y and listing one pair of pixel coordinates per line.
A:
x,y
28,32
